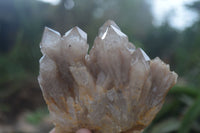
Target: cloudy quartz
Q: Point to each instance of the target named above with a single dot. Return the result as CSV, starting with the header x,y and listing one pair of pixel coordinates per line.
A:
x,y
116,88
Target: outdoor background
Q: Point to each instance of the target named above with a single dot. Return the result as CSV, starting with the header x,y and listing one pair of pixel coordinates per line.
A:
x,y
169,29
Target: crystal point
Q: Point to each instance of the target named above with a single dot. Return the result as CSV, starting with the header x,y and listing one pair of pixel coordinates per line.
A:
x,y
146,57
140,54
111,31
118,31
108,23
50,39
77,32
113,89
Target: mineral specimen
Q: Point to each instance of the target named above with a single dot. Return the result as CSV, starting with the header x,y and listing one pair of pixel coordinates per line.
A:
x,y
116,88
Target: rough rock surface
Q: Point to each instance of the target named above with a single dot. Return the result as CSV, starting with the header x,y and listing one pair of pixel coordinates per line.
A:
x,y
116,88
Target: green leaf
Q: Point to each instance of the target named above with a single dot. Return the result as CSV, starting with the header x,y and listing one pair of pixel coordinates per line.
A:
x,y
185,90
190,116
166,126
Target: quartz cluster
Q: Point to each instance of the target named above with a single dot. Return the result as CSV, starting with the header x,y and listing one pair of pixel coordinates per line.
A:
x,y
116,88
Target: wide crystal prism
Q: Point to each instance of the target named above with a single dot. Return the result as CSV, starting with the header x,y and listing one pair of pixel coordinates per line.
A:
x,y
116,88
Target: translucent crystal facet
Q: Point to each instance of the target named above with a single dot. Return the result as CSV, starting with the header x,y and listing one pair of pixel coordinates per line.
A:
x,y
116,88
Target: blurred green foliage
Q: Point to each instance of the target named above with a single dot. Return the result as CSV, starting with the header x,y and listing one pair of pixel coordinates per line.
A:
x,y
36,116
21,27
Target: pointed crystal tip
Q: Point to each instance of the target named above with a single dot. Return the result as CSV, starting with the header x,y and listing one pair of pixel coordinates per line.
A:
x,y
118,31
76,30
140,54
50,37
146,57
51,31
112,30
107,24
